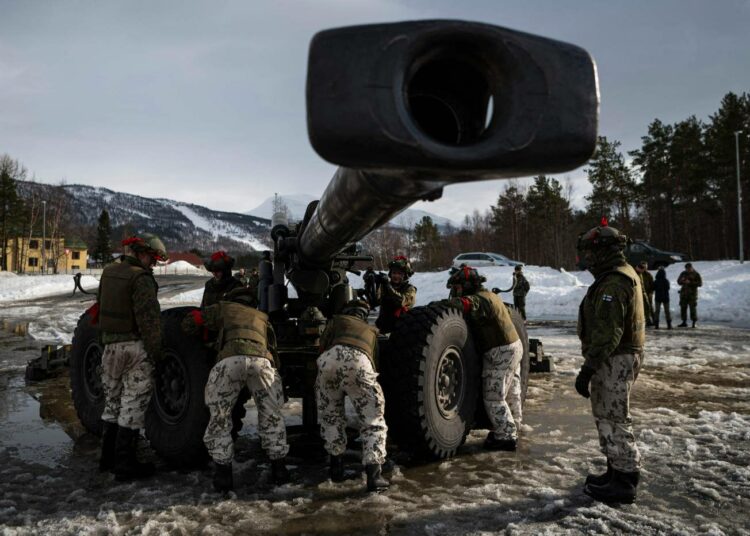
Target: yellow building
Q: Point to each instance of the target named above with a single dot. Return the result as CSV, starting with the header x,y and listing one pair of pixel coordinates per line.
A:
x,y
61,255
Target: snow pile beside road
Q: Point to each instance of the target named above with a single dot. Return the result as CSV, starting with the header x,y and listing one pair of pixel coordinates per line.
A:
x,y
181,268
26,287
191,297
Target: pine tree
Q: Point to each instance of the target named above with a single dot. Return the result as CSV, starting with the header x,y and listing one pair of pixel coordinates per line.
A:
x,y
427,242
11,206
103,248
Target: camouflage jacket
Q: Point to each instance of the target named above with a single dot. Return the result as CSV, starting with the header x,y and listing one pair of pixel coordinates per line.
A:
x,y
394,301
648,282
210,318
689,283
216,289
488,317
611,317
520,285
146,311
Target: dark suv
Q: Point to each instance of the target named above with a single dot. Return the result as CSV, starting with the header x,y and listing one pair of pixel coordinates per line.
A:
x,y
641,251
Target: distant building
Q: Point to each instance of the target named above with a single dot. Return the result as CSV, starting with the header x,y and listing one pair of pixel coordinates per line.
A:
x,y
188,257
27,255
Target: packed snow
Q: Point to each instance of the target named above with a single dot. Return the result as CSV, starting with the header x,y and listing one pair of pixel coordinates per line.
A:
x,y
690,405
26,287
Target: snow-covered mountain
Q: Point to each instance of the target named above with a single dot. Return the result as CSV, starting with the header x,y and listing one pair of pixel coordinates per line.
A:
x,y
182,226
297,203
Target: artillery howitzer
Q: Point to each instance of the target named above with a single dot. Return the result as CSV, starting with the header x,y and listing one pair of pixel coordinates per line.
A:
x,y
405,109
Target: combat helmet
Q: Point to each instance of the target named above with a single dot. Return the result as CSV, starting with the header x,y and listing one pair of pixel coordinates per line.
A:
x,y
468,279
401,263
357,307
220,261
243,295
147,243
600,237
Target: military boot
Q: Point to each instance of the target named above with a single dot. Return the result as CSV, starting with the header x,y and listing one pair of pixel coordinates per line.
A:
x,y
621,488
491,443
336,469
127,467
656,324
694,321
600,480
223,480
279,472
683,325
669,324
109,437
375,480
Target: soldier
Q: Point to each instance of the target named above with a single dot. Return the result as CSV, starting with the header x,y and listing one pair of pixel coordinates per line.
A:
x,y
520,290
647,283
130,330
502,352
396,294
253,280
246,347
661,289
455,289
346,367
220,264
371,290
611,326
689,282
241,277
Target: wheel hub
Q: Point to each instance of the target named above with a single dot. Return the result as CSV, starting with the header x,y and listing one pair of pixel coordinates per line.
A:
x,y
449,382
92,367
171,392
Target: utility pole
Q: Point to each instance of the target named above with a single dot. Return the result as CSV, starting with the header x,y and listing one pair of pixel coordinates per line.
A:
x,y
44,237
739,193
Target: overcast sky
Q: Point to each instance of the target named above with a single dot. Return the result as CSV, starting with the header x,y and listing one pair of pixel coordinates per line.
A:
x,y
204,101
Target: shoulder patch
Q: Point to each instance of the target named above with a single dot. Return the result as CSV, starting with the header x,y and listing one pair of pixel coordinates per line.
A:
x,y
607,298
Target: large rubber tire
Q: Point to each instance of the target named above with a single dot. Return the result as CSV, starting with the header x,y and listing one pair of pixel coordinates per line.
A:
x,y
85,375
431,377
177,416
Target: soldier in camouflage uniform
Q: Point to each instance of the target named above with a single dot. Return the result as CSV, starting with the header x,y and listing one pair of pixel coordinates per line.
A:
x,y
220,264
130,328
346,367
611,326
396,294
647,283
242,277
521,288
689,282
502,351
246,346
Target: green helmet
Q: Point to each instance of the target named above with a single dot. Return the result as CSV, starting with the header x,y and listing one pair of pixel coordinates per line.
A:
x,y
468,279
220,261
147,243
244,295
401,263
601,237
357,307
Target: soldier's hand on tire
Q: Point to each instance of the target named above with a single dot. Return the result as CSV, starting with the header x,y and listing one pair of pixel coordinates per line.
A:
x,y
583,379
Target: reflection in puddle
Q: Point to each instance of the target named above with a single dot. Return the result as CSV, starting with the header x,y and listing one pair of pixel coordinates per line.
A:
x,y
15,326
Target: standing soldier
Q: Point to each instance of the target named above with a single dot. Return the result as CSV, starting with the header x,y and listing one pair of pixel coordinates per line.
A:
x,y
130,330
612,332
371,289
647,283
241,277
246,347
220,265
346,367
661,289
253,280
502,351
396,294
520,290
689,282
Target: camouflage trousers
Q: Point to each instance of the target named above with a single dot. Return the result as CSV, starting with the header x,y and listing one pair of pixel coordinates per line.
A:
x,y
610,405
657,312
347,371
225,381
519,302
501,389
127,381
690,300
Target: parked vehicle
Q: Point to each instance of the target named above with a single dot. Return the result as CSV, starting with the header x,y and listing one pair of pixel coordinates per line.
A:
x,y
639,251
478,259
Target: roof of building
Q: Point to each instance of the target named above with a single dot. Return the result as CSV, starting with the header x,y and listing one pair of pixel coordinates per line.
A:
x,y
192,258
75,243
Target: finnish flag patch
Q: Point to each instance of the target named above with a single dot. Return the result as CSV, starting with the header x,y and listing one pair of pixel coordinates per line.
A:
x,y
607,298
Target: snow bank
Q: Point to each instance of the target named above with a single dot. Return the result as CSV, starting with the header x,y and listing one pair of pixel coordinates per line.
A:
x,y
26,287
181,268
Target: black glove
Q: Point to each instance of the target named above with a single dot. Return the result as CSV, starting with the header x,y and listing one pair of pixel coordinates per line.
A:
x,y
583,379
